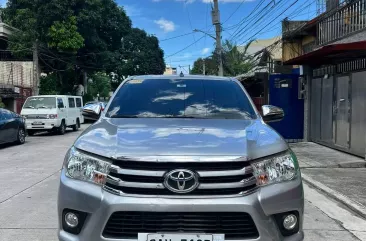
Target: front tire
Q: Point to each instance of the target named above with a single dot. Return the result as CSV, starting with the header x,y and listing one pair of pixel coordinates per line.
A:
x,y
21,136
62,128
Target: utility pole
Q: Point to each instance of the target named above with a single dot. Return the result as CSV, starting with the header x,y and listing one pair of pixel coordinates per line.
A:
x,y
189,69
204,67
216,22
35,69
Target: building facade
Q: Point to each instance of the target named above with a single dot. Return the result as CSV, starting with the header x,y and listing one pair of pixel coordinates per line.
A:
x,y
330,50
16,75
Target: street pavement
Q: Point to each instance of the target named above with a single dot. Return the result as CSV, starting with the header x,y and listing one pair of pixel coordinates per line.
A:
x,y
29,177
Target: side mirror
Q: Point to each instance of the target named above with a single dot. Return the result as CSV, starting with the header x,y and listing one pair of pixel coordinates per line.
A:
x,y
272,113
60,106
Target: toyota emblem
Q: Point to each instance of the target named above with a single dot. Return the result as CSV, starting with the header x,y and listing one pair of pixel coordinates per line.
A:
x,y
181,181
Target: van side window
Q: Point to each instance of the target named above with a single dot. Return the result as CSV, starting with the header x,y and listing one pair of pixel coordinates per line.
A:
x,y
60,103
71,103
78,102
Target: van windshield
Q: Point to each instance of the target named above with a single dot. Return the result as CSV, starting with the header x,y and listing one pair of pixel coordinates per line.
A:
x,y
181,98
40,102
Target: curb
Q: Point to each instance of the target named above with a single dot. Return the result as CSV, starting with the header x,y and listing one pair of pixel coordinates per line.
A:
x,y
353,205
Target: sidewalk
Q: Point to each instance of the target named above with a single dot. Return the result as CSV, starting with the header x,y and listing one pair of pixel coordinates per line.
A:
x,y
339,175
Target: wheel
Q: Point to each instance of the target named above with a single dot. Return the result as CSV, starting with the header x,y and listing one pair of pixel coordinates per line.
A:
x,y
62,128
31,132
21,136
76,126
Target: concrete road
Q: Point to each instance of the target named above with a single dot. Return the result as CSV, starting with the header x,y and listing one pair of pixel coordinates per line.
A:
x,y
28,193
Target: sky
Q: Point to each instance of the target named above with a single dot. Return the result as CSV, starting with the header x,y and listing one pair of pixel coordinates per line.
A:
x,y
171,18
167,19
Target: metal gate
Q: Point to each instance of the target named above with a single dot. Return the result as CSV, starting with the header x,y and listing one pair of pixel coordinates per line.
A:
x,y
338,111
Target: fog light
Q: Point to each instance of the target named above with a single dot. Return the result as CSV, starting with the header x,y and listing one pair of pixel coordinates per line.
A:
x,y
290,222
71,220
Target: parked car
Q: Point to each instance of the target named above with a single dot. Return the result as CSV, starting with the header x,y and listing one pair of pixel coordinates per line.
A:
x,y
92,110
52,113
181,158
12,127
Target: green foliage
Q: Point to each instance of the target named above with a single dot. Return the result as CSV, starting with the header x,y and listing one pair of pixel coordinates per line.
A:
x,y
235,62
49,85
141,55
64,36
101,85
78,36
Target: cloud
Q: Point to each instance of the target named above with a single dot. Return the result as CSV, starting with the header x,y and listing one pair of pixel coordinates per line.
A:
x,y
205,51
166,25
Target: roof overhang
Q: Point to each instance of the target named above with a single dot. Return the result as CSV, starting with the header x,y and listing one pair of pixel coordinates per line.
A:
x,y
331,54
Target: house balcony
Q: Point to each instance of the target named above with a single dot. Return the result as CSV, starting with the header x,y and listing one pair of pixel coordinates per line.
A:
x,y
342,22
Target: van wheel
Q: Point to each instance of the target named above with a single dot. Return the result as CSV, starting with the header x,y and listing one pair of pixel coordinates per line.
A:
x,y
76,126
62,128
21,136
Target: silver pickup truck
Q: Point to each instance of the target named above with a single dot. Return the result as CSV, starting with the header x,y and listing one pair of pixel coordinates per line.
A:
x,y
181,158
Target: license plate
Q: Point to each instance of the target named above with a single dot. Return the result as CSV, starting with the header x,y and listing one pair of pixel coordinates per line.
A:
x,y
180,237
37,123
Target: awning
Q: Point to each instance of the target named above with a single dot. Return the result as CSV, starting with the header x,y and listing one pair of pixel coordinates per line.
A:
x,y
331,54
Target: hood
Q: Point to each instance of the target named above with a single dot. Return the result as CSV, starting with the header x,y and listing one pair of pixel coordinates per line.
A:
x,y
180,137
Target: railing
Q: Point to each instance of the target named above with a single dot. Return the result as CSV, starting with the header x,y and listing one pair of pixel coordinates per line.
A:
x,y
347,20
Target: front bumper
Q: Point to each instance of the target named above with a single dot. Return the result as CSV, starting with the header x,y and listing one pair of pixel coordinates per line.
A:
x,y
100,205
43,124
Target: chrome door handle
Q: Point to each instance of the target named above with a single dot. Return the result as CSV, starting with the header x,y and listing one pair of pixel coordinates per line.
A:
x,y
341,100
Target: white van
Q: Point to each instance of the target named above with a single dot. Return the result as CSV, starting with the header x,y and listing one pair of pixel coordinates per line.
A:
x,y
52,113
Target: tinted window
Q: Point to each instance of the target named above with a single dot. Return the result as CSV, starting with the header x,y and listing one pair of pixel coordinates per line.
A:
x,y
40,102
78,102
181,98
71,102
60,103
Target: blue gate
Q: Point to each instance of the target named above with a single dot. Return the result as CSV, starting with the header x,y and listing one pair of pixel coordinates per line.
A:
x,y
284,93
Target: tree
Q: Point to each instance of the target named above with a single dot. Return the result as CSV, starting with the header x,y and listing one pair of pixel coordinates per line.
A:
x,y
235,61
80,36
210,66
101,85
141,55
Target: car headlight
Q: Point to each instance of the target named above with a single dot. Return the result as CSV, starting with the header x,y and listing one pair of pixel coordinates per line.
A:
x,y
280,168
85,167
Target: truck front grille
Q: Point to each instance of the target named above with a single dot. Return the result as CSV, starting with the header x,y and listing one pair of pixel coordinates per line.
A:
x,y
147,178
127,225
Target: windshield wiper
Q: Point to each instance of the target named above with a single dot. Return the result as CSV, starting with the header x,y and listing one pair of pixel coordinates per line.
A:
x,y
42,107
29,107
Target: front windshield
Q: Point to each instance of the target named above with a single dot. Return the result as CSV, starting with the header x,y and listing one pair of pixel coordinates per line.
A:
x,y
181,98
40,102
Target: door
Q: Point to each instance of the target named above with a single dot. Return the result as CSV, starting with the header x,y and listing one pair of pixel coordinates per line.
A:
x,y
71,116
342,109
8,126
62,113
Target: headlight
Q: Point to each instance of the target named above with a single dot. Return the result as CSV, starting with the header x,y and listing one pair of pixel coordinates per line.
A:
x,y
84,167
276,169
51,116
